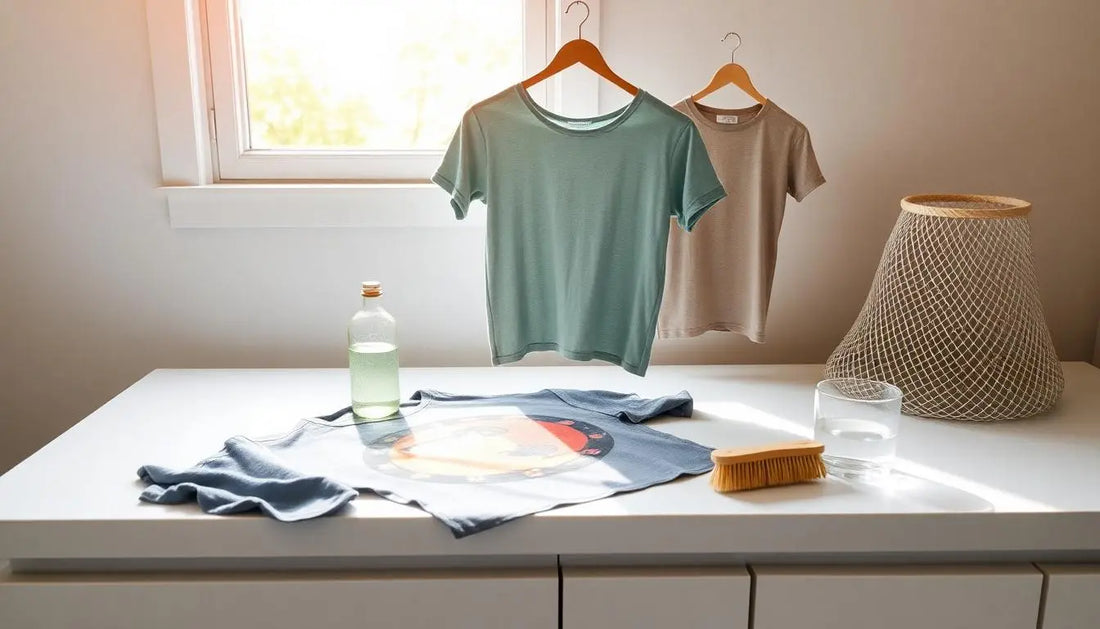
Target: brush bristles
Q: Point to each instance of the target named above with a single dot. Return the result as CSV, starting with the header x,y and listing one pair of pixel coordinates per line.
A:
x,y
767,473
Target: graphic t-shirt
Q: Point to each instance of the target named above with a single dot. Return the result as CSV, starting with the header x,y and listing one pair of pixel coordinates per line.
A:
x,y
719,277
578,220
475,462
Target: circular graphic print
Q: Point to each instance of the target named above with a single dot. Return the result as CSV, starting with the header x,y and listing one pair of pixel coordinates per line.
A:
x,y
489,449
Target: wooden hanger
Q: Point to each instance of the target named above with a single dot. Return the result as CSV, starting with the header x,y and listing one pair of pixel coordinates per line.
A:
x,y
579,51
731,74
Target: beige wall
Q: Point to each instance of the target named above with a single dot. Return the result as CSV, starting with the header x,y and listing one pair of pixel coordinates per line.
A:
x,y
900,96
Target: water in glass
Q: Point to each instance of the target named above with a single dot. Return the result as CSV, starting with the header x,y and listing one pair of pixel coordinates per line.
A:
x,y
857,421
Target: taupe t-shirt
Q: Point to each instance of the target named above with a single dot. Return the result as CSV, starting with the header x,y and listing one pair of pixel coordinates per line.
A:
x,y
719,277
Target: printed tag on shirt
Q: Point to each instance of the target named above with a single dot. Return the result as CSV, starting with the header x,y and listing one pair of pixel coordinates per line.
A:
x,y
727,119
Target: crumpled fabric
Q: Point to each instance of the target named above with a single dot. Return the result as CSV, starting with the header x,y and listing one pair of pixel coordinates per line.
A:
x,y
246,476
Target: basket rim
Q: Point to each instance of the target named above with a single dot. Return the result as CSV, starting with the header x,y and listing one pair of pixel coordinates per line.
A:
x,y
917,204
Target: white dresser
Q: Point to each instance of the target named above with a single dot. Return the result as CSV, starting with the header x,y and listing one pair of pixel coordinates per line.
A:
x,y
988,526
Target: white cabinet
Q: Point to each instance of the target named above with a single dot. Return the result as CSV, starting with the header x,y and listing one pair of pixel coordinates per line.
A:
x,y
1073,596
491,599
657,598
904,597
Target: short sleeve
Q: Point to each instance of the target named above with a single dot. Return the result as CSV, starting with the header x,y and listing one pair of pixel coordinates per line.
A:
x,y
803,173
462,173
695,185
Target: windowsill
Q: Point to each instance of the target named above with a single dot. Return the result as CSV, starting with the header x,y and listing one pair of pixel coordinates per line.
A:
x,y
312,205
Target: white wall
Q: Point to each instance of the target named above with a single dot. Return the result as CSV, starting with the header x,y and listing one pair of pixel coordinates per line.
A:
x,y
902,96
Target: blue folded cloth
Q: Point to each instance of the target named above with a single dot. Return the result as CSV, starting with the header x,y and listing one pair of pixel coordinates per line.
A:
x,y
243,477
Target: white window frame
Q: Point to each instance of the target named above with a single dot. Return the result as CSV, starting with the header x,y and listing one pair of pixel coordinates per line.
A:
x,y
396,194
236,161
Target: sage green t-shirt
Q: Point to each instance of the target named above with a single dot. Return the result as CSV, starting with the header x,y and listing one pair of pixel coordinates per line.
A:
x,y
577,220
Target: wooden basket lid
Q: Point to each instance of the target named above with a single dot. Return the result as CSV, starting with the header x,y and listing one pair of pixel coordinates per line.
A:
x,y
965,205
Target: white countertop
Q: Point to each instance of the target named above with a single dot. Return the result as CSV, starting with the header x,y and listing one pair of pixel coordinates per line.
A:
x,y
1029,487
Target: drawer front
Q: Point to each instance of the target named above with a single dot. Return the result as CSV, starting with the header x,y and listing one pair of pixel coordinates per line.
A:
x,y
1073,596
501,599
867,597
644,598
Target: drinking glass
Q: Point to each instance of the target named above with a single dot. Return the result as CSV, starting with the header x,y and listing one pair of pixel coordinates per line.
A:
x,y
857,420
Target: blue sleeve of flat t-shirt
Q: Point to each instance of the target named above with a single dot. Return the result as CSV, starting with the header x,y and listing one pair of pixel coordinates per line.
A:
x,y
246,476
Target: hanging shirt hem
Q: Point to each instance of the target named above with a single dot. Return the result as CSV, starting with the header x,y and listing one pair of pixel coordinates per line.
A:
x,y
502,359
717,326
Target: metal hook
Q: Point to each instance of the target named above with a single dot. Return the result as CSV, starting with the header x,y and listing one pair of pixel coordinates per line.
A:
x,y
733,52
586,15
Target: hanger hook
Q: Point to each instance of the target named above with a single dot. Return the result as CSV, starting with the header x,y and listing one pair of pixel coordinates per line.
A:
x,y
588,12
733,53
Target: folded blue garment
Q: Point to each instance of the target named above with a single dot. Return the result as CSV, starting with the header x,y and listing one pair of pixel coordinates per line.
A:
x,y
243,477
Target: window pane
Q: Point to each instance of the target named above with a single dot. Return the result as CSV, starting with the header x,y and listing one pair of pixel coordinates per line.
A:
x,y
373,74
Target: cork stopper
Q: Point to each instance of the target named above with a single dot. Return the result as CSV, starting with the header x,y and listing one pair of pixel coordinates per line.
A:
x,y
372,288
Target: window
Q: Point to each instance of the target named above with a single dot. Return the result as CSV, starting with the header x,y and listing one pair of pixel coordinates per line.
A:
x,y
368,90
384,82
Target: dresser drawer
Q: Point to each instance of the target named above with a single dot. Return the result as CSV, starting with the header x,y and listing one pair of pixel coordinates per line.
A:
x,y
655,598
1073,596
917,597
493,599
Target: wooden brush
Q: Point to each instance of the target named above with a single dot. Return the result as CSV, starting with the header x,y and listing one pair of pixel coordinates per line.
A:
x,y
736,469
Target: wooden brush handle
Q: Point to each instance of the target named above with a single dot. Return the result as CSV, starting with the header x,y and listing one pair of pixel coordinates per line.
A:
x,y
726,456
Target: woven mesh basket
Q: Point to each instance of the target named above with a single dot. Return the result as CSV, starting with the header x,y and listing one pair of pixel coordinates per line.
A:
x,y
953,316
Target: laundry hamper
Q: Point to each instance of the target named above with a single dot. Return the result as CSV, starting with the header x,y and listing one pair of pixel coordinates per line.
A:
x,y
953,316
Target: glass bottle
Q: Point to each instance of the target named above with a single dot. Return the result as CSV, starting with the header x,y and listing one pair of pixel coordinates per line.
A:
x,y
372,357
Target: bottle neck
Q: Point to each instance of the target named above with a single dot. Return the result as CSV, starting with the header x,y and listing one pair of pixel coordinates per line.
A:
x,y
372,303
